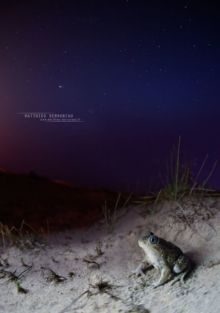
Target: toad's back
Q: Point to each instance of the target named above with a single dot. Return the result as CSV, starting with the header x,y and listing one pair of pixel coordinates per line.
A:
x,y
168,251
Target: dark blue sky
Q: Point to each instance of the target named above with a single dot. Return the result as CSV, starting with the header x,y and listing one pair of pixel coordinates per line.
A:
x,y
138,73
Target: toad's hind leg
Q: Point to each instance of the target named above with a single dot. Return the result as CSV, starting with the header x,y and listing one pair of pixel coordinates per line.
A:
x,y
182,264
165,276
183,267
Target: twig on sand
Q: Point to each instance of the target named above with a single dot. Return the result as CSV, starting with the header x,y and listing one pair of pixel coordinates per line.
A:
x,y
90,261
52,276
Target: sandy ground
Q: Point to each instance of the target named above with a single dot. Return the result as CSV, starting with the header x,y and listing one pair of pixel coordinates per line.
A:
x,y
86,257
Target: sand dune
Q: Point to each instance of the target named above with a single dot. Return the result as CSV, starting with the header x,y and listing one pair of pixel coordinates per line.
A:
x,y
92,266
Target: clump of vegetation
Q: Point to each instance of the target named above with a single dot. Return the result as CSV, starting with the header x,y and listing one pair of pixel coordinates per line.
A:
x,y
180,182
23,237
113,213
101,285
16,279
178,178
52,276
71,274
189,195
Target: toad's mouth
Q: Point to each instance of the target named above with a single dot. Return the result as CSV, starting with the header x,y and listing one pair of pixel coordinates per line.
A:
x,y
141,244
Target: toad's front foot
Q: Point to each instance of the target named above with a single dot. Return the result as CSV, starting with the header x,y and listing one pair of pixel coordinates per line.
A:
x,y
141,269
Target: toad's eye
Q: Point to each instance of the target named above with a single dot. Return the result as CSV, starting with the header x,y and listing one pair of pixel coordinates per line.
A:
x,y
147,235
153,239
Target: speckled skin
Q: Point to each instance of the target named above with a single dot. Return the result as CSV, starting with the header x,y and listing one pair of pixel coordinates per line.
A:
x,y
164,256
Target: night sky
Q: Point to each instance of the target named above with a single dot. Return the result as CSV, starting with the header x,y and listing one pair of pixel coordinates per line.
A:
x,y
138,74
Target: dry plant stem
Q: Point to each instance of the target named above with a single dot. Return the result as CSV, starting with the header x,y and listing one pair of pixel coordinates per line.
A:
x,y
210,174
198,174
6,234
91,262
110,216
128,199
177,169
98,249
116,203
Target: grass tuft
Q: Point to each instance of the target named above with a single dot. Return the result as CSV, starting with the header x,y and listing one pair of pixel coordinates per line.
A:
x,y
16,279
113,213
24,237
52,276
180,182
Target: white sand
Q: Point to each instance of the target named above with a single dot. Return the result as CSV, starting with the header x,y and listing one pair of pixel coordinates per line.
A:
x,y
64,253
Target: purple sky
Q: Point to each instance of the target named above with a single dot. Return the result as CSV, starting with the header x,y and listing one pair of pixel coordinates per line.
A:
x,y
138,73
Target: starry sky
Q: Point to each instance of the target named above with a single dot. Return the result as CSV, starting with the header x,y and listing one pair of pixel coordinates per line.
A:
x,y
138,74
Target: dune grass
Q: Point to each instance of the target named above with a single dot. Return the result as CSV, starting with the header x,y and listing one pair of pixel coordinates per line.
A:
x,y
180,182
111,213
23,237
